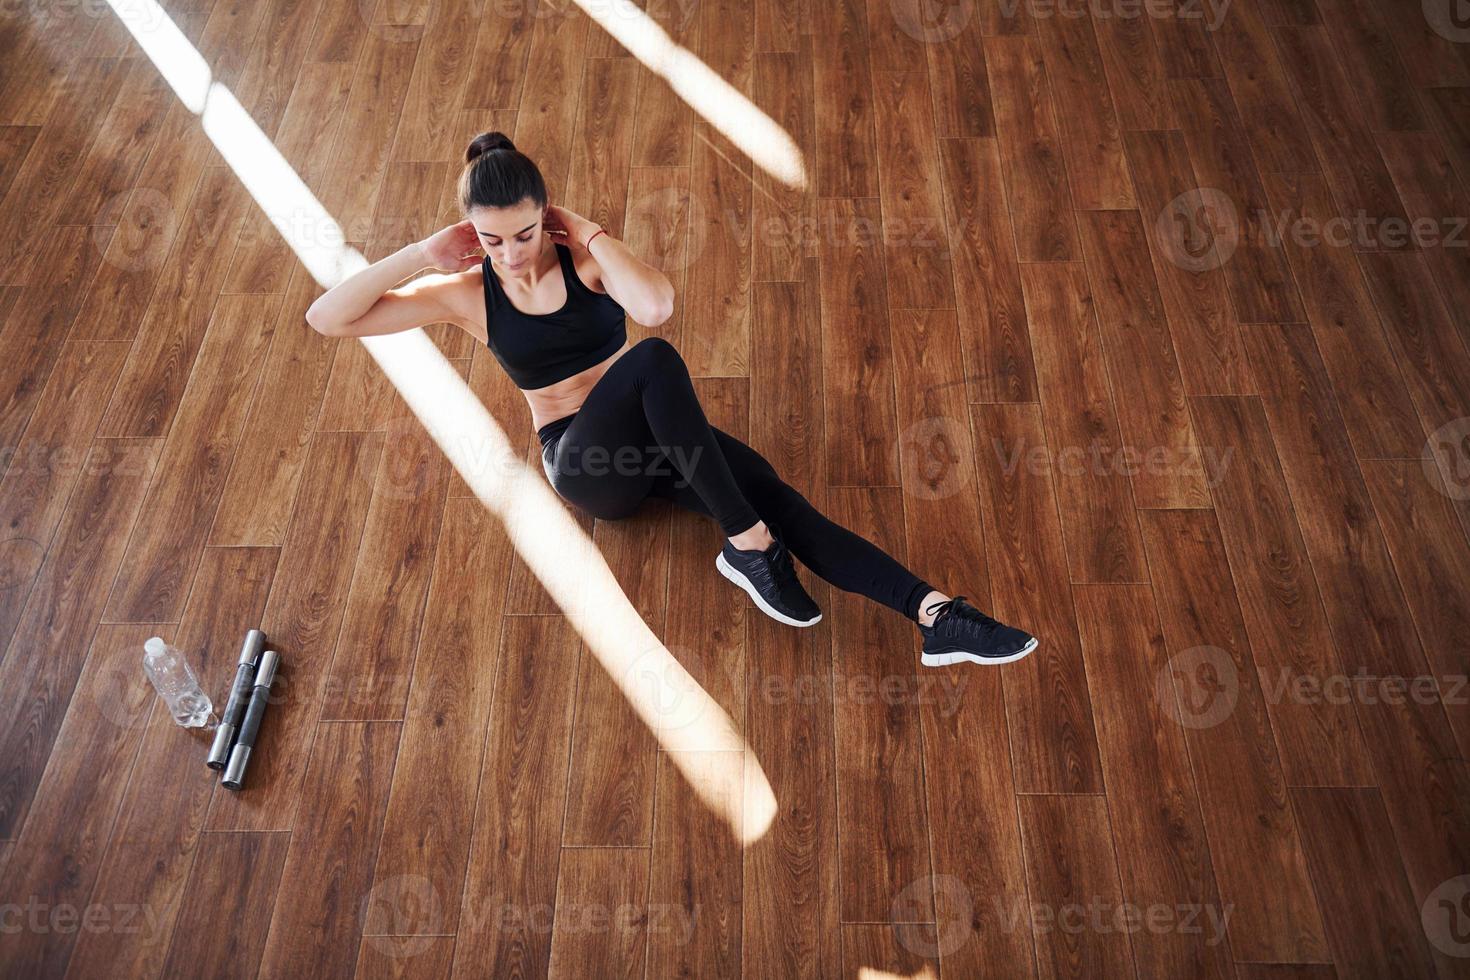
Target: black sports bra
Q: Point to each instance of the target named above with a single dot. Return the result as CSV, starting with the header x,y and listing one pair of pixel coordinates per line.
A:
x,y
540,349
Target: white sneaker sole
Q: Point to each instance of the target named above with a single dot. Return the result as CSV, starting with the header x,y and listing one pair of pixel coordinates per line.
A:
x,y
948,657
728,570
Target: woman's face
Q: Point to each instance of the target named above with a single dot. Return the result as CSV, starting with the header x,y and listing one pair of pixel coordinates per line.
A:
x,y
512,237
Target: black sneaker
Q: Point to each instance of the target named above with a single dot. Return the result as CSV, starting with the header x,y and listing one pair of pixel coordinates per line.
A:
x,y
962,632
770,580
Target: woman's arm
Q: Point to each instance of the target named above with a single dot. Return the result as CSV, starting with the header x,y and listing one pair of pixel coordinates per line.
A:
x,y
334,311
364,305
639,288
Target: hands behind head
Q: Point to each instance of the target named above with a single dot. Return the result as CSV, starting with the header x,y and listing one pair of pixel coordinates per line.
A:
x,y
454,248
564,224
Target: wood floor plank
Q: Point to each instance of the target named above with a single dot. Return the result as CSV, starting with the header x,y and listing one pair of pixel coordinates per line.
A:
x,y
382,627
271,457
44,659
1087,120
37,326
1068,874
856,345
787,676
937,454
1360,592
1449,111
979,878
663,132
1318,737
1167,468
794,865
614,754
1430,38
172,333
1048,711
1093,485
1163,854
317,931
43,470
1279,139
1349,840
1433,356
161,812
911,193
1183,32
1255,268
1440,210
695,875
1182,237
1427,546
716,303
882,831
1135,70
349,189
956,61
883,950
846,162
1034,166
234,874
171,531
510,884
603,929
1360,183
1375,402
42,186
302,619
1369,57
998,361
431,806
785,214
60,846
1223,710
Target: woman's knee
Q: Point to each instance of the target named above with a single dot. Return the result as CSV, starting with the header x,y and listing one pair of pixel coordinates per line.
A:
x,y
655,351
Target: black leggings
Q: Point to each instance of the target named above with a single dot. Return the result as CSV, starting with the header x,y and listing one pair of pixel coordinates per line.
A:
x,y
641,433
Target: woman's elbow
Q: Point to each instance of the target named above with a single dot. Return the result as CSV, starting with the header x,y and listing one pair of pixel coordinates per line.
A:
x,y
322,325
661,310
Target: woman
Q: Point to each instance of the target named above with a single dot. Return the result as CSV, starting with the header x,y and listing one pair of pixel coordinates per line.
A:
x,y
619,423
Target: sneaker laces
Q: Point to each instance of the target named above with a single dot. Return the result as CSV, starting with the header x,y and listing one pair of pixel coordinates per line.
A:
x,y
963,618
776,565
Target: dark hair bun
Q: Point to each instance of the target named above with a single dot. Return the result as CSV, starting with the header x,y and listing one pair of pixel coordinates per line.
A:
x,y
486,142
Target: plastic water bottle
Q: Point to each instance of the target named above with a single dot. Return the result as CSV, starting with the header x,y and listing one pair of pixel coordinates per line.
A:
x,y
177,685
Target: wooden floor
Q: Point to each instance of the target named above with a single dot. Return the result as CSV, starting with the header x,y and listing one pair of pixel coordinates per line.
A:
x,y
1103,322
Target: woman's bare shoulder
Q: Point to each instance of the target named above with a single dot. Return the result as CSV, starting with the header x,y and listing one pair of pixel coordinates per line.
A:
x,y
587,268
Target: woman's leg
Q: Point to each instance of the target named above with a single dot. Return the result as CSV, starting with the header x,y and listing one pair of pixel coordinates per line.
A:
x,y
644,411
837,555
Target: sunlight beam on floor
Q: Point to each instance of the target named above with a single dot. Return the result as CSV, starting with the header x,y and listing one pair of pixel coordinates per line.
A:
x,y
718,102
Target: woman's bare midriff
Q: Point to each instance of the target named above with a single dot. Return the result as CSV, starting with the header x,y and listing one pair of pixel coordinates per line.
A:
x,y
566,396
